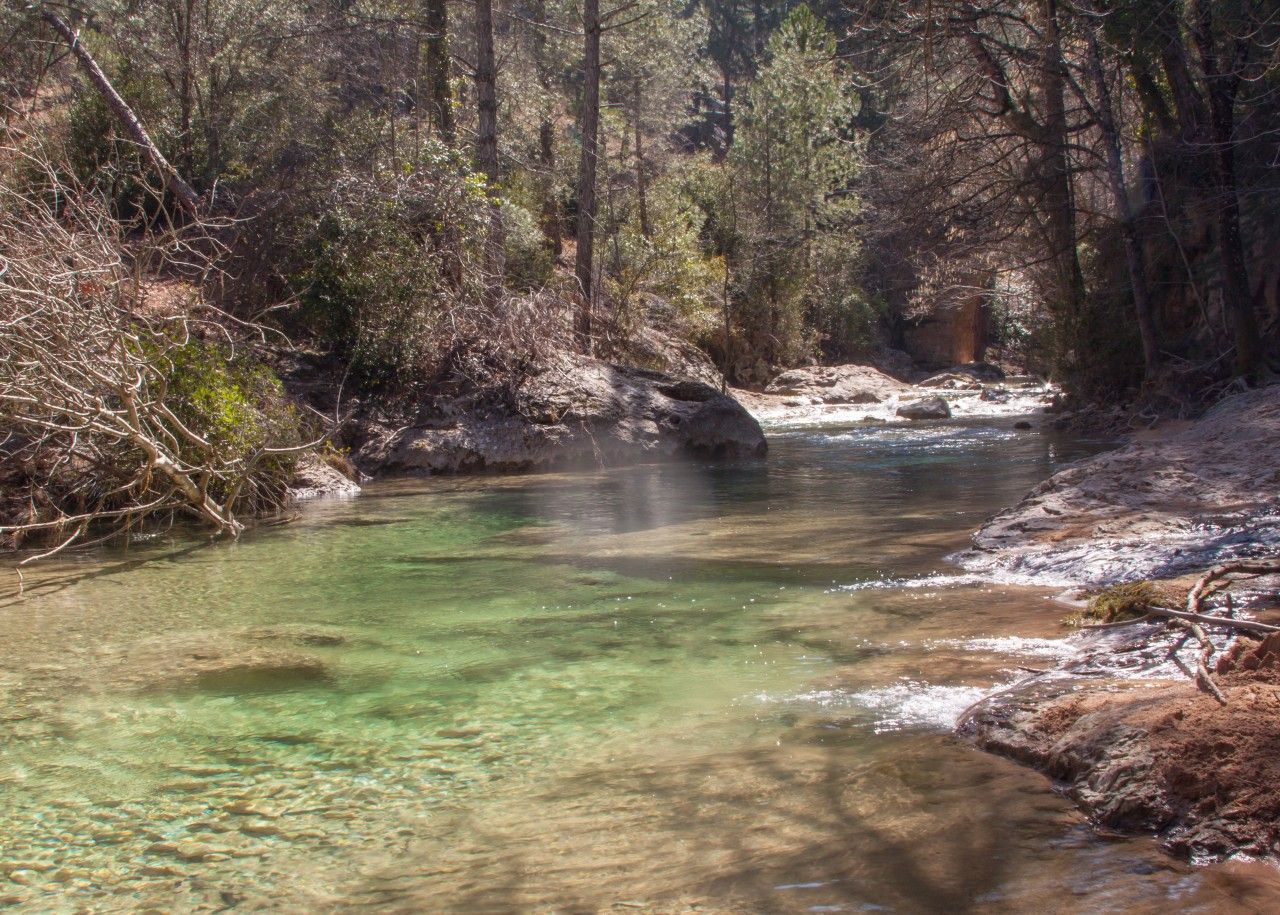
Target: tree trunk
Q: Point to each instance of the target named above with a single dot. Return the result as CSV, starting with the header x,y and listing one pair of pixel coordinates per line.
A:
x,y
1187,102
727,91
487,143
1221,88
182,192
439,90
1120,191
642,186
549,220
584,267
1055,180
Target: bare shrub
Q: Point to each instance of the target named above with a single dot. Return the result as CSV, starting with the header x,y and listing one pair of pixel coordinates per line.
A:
x,y
122,394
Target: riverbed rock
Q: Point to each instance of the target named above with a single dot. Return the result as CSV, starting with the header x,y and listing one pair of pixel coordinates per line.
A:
x,y
837,384
577,412
1177,499
929,408
1159,757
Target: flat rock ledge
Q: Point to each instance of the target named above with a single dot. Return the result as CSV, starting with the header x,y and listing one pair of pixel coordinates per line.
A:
x,y
1157,757
1176,500
578,412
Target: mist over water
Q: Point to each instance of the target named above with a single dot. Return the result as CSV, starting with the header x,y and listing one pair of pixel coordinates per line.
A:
x,y
721,687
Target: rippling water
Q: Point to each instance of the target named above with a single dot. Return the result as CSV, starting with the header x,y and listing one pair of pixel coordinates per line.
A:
x,y
681,688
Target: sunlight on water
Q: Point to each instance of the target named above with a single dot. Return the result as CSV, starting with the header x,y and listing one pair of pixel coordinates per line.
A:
x,y
526,693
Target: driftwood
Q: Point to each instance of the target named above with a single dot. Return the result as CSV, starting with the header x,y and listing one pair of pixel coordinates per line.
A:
x,y
1194,619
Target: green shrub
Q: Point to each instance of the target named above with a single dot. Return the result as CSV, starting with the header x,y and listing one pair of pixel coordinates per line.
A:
x,y
385,264
235,404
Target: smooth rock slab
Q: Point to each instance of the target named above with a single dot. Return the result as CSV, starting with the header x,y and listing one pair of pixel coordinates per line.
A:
x,y
1173,501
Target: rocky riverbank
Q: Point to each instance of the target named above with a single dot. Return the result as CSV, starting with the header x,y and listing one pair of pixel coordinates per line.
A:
x,y
1119,725
1179,498
1143,751
575,412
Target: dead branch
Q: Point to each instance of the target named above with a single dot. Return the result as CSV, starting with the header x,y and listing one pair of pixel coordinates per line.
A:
x,y
186,196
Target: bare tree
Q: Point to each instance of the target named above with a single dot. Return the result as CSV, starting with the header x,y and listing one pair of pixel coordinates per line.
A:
x,y
1222,73
1105,116
87,400
487,141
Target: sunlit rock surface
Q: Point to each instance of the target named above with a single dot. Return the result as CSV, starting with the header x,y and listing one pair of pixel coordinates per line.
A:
x,y
1176,501
837,384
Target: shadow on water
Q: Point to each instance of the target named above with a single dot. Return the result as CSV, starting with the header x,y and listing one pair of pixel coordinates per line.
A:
x,y
768,829
39,584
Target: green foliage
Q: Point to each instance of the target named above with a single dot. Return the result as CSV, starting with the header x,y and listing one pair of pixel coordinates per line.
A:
x,y
529,262
793,166
670,262
234,403
386,263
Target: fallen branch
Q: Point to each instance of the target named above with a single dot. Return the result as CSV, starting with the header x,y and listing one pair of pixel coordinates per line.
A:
x,y
1210,620
186,196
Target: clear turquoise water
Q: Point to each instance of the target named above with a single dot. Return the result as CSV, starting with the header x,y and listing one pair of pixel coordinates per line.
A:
x,y
687,687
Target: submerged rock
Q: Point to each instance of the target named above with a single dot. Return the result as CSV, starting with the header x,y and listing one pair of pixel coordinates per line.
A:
x,y
837,384
206,660
579,412
929,408
1174,501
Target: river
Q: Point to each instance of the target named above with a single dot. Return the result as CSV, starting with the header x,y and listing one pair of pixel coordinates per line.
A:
x,y
679,688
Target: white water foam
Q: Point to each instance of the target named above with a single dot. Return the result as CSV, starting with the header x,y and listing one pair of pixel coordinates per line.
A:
x,y
1058,649
905,705
914,704
940,580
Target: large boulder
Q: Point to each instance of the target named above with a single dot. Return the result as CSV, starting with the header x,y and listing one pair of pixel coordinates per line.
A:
x,y
929,408
837,384
577,412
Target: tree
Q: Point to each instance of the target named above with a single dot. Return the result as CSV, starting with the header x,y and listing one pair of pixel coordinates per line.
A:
x,y
589,122
1104,113
182,192
439,89
1225,46
794,161
487,141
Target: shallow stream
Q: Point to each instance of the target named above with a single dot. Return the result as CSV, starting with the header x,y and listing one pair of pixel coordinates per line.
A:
x,y
710,688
